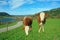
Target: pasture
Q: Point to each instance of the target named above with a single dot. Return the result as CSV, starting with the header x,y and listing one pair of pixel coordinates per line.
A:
x,y
7,24
52,32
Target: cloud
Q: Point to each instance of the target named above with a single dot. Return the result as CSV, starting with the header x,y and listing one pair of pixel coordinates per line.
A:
x,y
47,0
17,3
54,4
30,1
41,9
3,3
36,10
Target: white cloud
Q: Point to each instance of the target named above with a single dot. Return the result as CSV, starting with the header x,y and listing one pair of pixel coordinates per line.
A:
x,y
30,1
47,0
3,3
36,10
41,9
17,3
54,4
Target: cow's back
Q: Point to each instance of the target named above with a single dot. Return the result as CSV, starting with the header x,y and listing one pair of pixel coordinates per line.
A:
x,y
27,21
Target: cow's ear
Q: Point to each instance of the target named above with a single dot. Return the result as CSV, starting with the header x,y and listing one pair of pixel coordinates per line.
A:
x,y
46,14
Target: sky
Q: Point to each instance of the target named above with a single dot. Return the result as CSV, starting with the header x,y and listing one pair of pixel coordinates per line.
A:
x,y
27,7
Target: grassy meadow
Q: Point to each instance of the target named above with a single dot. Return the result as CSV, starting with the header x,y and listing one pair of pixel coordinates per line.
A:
x,y
52,32
7,24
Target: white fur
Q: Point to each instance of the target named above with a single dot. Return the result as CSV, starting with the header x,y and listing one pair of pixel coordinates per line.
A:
x,y
42,15
26,29
40,23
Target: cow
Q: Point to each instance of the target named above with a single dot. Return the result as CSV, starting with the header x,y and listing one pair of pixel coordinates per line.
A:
x,y
41,17
27,21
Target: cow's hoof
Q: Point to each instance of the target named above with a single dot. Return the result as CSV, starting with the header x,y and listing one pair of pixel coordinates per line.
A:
x,y
43,30
26,35
38,31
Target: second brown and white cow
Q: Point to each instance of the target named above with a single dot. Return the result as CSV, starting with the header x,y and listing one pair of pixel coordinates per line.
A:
x,y
41,17
27,21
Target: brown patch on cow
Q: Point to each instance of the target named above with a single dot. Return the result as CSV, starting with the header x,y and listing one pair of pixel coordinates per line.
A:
x,y
38,17
27,21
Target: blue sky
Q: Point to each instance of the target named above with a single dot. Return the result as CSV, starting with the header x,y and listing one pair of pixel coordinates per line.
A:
x,y
27,7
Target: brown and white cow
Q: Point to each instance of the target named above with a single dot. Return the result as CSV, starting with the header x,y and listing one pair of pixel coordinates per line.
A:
x,y
27,21
41,20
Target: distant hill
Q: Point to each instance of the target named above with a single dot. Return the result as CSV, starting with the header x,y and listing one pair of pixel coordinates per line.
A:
x,y
54,13
4,14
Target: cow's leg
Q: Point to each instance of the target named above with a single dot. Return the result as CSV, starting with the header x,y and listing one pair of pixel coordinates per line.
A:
x,y
39,29
42,28
26,29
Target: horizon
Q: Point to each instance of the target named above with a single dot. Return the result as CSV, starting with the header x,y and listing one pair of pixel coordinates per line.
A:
x,y
27,7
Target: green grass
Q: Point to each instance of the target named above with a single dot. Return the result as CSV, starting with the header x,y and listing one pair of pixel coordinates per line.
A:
x,y
8,24
52,32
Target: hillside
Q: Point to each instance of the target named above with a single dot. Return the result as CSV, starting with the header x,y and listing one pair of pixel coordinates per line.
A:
x,y
4,14
54,13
